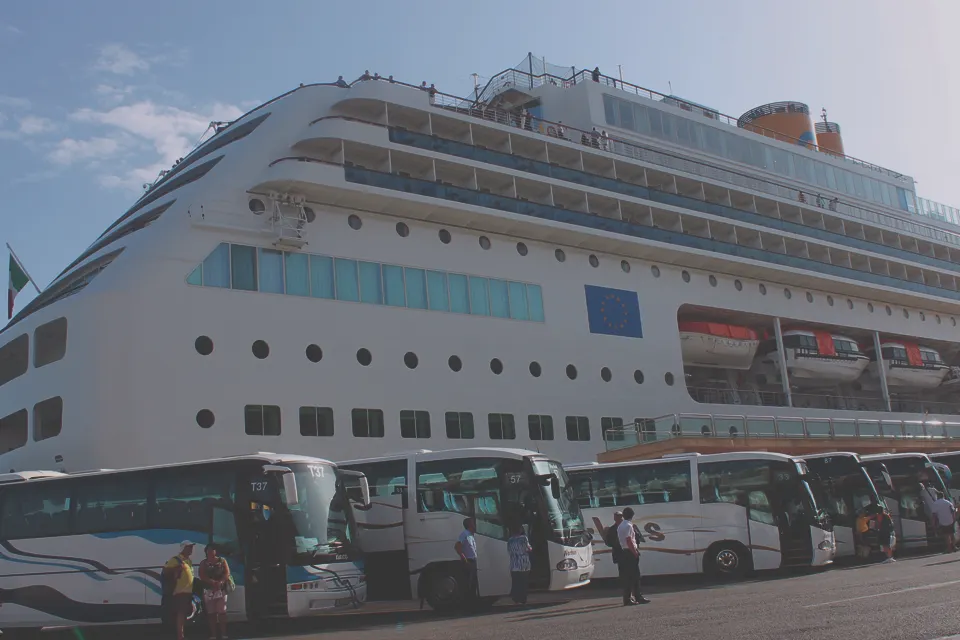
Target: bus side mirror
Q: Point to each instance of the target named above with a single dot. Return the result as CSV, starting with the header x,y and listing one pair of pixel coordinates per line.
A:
x,y
361,480
290,496
555,486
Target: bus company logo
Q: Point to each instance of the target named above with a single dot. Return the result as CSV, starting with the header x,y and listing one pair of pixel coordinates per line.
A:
x,y
651,529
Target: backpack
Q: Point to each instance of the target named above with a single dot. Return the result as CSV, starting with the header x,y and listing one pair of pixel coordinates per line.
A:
x,y
168,581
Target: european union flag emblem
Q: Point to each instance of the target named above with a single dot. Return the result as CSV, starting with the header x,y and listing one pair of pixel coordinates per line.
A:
x,y
613,312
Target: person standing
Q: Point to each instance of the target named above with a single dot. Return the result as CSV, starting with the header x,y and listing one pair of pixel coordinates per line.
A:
x,y
945,516
612,539
466,548
629,561
519,549
215,576
178,574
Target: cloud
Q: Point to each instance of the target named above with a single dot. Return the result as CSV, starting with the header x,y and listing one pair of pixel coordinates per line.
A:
x,y
111,94
170,131
69,150
10,30
36,176
14,103
33,125
118,59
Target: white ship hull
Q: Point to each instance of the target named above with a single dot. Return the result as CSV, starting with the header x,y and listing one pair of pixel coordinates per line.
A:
x,y
135,389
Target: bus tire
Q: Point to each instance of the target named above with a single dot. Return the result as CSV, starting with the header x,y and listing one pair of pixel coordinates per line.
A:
x,y
726,560
443,586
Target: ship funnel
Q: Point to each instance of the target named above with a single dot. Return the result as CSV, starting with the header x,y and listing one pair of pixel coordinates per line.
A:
x,y
786,121
828,138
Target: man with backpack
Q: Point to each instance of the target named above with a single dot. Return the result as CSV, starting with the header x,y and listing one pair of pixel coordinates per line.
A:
x,y
177,583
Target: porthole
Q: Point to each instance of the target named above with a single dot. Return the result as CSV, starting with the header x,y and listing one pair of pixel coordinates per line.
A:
x,y
625,266
496,366
938,320
521,248
205,418
403,230
203,345
314,353
411,360
444,236
260,349
535,369
849,303
923,317
787,294
484,242
561,256
655,270
738,285
256,206
809,297
354,221
713,280
309,214
668,378
638,376
830,300
906,314
763,289
870,307
685,275
364,357
606,375
594,261
571,372
889,311
454,363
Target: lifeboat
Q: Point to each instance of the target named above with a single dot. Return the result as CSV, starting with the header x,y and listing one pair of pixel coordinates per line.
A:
x,y
722,346
813,358
908,365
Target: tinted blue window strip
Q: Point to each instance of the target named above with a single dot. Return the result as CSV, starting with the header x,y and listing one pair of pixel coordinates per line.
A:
x,y
522,207
487,156
367,282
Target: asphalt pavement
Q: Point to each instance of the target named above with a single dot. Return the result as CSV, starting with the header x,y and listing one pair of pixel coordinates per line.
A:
x,y
913,599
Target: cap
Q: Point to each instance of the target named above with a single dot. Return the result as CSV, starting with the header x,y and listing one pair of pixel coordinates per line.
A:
x,y
187,543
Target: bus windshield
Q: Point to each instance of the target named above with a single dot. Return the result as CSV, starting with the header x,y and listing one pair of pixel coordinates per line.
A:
x,y
321,525
847,487
563,512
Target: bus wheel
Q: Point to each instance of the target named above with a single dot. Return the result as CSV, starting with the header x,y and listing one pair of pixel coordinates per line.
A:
x,y
443,588
726,560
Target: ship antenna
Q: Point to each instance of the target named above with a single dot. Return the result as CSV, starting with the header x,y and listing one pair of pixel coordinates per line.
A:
x,y
823,114
670,84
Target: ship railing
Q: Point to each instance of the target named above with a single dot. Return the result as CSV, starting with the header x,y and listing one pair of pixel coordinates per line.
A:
x,y
635,151
766,398
705,425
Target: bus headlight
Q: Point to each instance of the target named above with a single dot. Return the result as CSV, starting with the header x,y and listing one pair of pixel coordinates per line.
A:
x,y
568,564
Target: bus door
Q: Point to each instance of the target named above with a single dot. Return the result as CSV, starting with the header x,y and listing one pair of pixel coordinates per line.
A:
x,y
522,504
763,533
792,513
265,576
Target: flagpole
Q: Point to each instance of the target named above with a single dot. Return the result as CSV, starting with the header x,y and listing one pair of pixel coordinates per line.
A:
x,y
20,264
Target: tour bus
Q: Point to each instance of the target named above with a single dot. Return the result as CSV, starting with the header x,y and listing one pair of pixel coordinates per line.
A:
x,y
419,501
722,514
847,489
87,548
909,473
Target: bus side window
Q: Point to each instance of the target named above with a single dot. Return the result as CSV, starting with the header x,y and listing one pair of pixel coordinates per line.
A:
x,y
223,530
36,512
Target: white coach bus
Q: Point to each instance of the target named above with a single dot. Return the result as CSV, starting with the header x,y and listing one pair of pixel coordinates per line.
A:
x,y
87,549
722,514
419,501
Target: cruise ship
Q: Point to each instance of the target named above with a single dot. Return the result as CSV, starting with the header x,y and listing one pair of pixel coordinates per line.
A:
x,y
552,262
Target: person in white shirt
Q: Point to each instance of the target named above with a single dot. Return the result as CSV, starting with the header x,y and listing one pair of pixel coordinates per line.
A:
x,y
944,516
466,548
629,561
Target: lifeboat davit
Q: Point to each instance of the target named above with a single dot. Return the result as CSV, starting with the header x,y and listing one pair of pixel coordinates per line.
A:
x,y
813,357
713,344
909,365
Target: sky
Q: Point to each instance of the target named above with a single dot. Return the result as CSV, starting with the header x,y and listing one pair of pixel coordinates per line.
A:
x,y
96,98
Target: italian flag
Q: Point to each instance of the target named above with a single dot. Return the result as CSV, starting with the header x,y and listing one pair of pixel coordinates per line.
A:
x,y
18,280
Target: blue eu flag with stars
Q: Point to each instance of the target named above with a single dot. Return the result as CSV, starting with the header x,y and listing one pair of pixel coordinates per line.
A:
x,y
613,312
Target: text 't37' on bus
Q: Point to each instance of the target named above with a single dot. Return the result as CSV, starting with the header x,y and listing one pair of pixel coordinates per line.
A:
x,y
720,514
911,490
847,490
87,548
418,504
